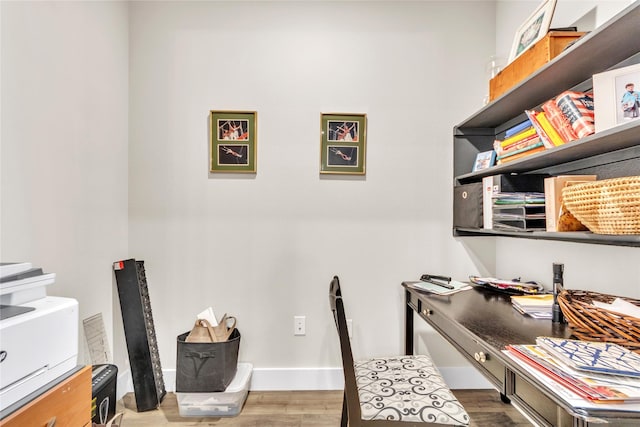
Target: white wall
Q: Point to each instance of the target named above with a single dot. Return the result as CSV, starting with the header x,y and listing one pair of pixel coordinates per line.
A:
x,y
265,247
64,145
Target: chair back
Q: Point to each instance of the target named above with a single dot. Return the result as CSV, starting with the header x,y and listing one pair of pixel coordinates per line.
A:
x,y
350,385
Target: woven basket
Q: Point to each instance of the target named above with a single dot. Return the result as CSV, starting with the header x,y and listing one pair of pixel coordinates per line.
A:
x,y
608,206
591,323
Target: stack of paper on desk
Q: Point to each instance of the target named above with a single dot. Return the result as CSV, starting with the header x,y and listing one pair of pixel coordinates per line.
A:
x,y
595,371
438,289
537,306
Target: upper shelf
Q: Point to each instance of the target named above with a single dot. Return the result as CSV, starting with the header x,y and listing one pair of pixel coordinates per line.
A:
x,y
608,45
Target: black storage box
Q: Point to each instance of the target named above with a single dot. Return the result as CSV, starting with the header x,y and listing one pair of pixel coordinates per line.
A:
x,y
206,366
467,205
531,182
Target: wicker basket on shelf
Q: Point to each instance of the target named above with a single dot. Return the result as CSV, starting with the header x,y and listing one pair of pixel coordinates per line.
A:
x,y
591,323
608,206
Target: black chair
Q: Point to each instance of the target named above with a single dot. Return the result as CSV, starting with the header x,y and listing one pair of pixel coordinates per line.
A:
x,y
391,391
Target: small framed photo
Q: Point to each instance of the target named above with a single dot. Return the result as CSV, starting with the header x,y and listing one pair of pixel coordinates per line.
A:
x,y
533,29
616,97
484,160
233,141
343,143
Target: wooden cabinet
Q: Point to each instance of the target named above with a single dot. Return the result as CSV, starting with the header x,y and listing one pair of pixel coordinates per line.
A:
x,y
611,153
66,404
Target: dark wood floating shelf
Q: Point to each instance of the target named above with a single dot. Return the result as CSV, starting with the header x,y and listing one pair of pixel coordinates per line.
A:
x,y
575,236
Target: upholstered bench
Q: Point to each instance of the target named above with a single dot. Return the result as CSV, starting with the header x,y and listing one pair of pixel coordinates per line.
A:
x,y
388,391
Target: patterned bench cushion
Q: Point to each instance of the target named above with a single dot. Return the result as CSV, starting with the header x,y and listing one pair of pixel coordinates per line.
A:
x,y
406,388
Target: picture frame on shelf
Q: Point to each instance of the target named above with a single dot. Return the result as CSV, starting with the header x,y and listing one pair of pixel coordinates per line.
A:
x,y
343,142
616,97
484,160
232,142
533,29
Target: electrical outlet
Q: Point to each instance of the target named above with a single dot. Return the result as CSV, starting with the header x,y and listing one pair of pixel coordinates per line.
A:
x,y
299,327
350,327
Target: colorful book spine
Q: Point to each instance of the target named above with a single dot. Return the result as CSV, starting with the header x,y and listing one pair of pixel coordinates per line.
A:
x,y
543,135
517,128
518,137
521,150
554,136
578,108
521,154
559,121
533,139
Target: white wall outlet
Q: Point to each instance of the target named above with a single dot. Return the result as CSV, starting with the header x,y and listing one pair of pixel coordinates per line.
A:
x,y
350,327
299,327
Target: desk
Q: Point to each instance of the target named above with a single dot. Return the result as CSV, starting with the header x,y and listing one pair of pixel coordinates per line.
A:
x,y
479,323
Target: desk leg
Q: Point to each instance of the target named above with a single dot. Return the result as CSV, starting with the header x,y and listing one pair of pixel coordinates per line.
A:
x,y
408,325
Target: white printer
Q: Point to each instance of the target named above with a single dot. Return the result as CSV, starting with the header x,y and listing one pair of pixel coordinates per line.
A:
x,y
38,337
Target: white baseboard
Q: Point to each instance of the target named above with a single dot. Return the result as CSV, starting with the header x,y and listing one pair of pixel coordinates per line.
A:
x,y
272,379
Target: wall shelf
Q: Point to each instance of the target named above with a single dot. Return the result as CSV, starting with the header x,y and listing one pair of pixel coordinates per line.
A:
x,y
611,153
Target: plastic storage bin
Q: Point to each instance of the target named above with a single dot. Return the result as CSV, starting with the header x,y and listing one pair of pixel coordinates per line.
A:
x,y
227,403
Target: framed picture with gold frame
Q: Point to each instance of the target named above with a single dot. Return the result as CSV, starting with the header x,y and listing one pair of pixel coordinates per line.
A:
x,y
233,141
343,143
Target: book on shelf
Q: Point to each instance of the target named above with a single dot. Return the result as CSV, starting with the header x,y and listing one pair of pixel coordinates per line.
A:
x,y
517,128
532,114
559,121
536,306
528,141
594,357
520,150
553,196
517,156
593,387
527,132
578,108
551,131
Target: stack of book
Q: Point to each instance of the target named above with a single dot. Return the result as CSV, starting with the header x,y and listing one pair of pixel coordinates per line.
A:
x,y
595,371
560,120
519,141
536,306
563,119
518,211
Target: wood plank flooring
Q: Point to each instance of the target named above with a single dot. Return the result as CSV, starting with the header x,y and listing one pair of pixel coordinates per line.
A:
x,y
308,409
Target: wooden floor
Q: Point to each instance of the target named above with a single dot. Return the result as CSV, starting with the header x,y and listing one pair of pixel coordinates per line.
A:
x,y
308,409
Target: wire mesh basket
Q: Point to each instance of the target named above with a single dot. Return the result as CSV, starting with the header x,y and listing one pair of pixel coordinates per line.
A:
x,y
591,323
608,206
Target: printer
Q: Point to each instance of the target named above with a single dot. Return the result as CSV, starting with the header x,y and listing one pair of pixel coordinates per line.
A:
x,y
38,337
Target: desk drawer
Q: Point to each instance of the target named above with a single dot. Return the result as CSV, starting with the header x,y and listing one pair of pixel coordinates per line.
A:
x,y
538,405
471,348
68,403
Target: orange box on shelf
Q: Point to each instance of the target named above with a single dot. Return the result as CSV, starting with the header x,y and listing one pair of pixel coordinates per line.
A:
x,y
535,57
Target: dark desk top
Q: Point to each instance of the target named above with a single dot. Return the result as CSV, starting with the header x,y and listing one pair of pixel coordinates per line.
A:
x,y
489,315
